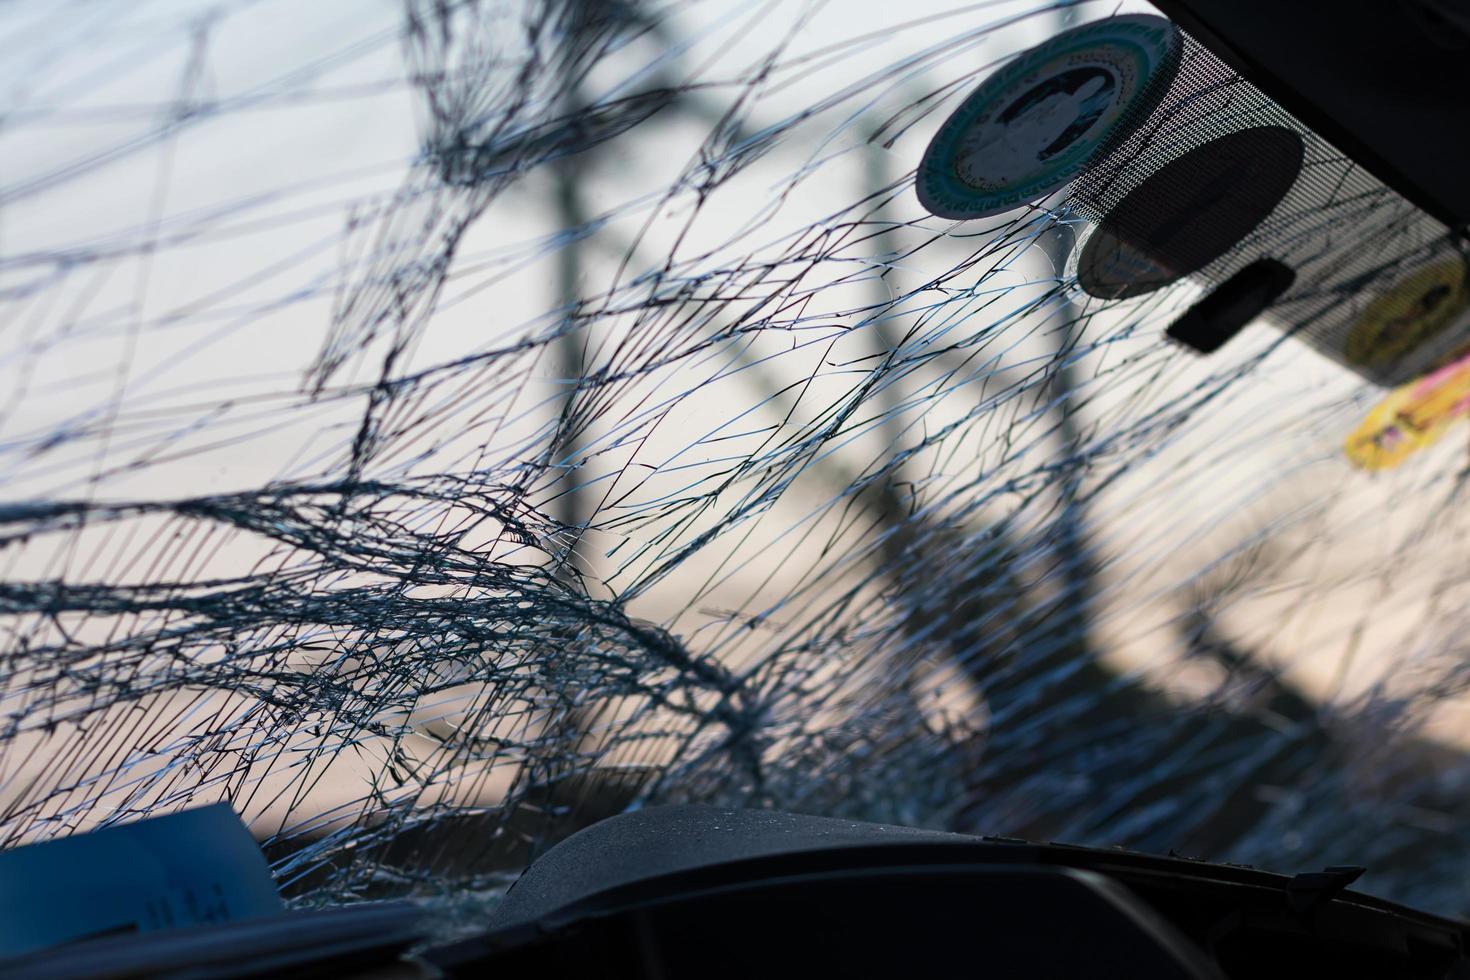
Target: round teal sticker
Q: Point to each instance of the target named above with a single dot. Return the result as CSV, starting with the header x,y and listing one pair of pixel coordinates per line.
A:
x,y
1039,121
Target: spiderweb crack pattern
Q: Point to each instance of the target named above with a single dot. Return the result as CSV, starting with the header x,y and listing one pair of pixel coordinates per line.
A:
x,y
630,436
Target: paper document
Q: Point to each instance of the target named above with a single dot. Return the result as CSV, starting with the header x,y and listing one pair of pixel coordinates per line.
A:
x,y
183,869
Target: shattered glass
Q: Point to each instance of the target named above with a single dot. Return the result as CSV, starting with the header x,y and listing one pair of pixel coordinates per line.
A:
x,y
434,426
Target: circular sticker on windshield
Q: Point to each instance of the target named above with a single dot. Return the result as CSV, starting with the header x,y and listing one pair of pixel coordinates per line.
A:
x,y
1040,120
1190,212
1412,418
1416,308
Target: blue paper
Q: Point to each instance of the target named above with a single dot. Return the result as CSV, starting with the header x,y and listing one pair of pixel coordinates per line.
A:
x,y
183,869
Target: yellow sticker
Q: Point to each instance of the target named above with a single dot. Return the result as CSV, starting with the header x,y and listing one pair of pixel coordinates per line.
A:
x,y
1415,309
1414,416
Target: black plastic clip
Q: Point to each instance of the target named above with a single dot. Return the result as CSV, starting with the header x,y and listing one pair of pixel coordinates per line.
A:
x,y
1212,321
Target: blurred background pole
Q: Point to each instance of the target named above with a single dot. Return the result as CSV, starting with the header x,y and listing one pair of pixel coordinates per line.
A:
x,y
1077,566
570,213
879,177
